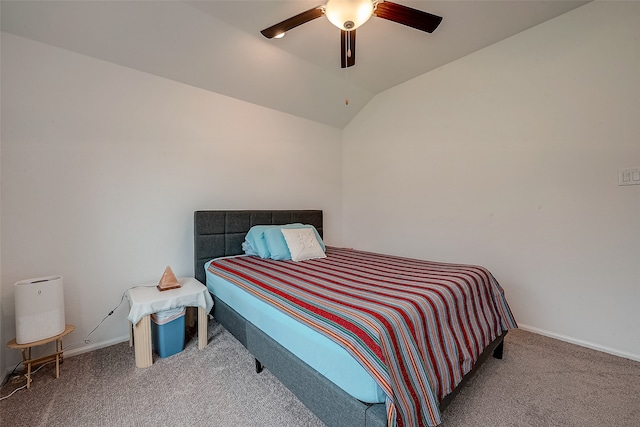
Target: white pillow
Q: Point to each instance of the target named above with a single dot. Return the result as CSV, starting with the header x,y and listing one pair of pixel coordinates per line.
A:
x,y
302,243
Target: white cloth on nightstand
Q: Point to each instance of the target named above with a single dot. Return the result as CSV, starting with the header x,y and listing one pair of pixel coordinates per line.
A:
x,y
145,300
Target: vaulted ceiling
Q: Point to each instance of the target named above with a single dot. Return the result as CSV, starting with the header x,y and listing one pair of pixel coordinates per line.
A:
x,y
217,45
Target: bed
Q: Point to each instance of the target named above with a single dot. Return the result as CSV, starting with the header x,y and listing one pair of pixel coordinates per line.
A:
x,y
219,234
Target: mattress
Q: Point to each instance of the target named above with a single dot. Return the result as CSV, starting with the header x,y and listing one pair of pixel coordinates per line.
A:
x,y
322,354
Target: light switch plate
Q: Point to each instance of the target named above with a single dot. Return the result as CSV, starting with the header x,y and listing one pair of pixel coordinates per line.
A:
x,y
629,176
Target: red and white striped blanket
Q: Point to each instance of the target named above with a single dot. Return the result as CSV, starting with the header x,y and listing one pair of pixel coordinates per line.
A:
x,y
416,326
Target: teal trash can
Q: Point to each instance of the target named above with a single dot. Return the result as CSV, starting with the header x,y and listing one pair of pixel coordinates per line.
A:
x,y
167,331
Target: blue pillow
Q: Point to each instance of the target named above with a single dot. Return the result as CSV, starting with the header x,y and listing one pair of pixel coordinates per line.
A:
x,y
277,245
255,238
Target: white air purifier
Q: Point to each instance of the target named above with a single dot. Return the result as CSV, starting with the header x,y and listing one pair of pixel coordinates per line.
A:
x,y
39,305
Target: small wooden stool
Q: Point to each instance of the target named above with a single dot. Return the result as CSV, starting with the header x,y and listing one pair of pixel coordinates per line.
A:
x,y
27,361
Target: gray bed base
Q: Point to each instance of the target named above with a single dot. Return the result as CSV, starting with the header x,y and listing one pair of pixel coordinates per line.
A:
x,y
221,233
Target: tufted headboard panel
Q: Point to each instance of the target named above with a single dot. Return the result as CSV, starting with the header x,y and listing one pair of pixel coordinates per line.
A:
x,y
221,233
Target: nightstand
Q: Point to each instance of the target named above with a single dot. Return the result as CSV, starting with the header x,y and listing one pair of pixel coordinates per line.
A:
x,y
147,299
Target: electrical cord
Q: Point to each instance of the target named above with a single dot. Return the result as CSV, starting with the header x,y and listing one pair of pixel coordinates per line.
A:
x,y
13,392
25,375
86,339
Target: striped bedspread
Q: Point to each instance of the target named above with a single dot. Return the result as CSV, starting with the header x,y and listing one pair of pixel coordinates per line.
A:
x,y
416,326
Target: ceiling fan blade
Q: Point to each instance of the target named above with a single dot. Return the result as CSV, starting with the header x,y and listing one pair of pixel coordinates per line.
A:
x,y
347,48
407,16
292,22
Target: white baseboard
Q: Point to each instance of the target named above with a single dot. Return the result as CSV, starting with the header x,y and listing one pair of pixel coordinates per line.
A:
x,y
95,346
581,343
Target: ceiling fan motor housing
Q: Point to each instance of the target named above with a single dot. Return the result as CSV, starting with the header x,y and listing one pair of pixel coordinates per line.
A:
x,y
348,14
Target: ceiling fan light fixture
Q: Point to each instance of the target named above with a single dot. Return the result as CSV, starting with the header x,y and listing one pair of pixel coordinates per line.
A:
x,y
279,35
348,14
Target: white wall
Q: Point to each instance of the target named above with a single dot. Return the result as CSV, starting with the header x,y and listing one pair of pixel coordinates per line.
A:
x,y
103,166
509,158
2,334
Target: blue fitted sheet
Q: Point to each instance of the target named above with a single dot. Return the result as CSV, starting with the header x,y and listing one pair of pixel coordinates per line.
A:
x,y
316,350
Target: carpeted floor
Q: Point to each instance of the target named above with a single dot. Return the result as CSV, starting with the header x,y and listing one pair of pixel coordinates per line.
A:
x,y
539,382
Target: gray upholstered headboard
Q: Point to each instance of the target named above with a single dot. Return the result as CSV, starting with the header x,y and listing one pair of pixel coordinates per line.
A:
x,y
221,233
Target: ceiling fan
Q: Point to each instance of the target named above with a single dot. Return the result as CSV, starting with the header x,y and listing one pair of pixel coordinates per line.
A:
x,y
348,15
